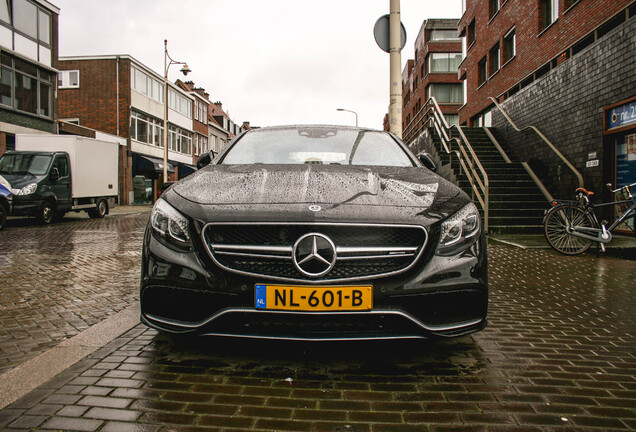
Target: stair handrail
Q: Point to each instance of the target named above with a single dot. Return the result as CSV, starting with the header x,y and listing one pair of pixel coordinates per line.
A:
x,y
468,160
544,138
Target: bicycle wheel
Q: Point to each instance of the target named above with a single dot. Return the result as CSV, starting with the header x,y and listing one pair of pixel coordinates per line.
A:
x,y
556,221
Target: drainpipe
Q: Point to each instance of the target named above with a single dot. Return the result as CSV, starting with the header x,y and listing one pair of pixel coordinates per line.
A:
x,y
118,58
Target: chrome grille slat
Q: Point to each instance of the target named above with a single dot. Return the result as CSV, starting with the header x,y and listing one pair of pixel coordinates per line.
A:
x,y
363,251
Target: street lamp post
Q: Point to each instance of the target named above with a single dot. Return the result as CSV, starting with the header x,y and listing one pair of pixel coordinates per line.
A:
x,y
185,70
356,114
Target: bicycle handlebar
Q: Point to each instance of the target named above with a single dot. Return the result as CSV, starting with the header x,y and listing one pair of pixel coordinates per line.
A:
x,y
609,186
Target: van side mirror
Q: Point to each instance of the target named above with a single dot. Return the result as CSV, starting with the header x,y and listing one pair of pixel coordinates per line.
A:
x,y
204,160
55,174
427,161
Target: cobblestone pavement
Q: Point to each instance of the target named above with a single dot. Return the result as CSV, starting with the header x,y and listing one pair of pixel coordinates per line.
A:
x,y
58,280
559,354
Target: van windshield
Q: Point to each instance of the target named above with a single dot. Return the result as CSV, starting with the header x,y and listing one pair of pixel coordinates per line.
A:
x,y
33,164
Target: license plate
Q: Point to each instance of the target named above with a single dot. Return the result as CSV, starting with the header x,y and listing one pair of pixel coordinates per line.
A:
x,y
320,298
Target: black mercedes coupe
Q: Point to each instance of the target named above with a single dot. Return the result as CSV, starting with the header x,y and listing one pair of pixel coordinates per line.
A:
x,y
315,233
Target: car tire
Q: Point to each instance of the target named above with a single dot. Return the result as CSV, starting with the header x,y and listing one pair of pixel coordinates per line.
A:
x,y
99,211
3,216
47,213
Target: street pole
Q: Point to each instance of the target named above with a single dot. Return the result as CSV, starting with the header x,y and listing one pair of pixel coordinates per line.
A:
x,y
355,113
395,43
185,70
165,112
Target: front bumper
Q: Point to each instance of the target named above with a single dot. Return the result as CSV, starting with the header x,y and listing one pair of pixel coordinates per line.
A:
x,y
188,293
23,206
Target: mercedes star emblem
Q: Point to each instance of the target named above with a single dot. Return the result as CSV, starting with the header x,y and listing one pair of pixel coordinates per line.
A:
x,y
314,254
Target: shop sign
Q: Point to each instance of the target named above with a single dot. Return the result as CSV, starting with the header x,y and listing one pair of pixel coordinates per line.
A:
x,y
620,116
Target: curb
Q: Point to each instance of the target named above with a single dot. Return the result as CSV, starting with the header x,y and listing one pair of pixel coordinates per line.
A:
x,y
20,380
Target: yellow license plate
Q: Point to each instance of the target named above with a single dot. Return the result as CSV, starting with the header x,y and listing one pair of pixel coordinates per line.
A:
x,y
319,298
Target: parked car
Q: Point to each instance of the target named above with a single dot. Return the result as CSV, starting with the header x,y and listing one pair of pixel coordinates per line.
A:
x,y
315,233
6,197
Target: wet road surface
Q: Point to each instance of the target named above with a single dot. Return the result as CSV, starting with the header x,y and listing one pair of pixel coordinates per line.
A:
x,y
559,353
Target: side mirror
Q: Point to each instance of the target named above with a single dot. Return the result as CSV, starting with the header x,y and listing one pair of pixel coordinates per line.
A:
x,y
427,161
204,160
55,174
164,186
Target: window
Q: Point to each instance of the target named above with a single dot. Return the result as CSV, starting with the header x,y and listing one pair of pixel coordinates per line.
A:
x,y
200,144
44,108
452,119
442,35
444,62
25,87
482,72
4,12
68,79
548,13
61,163
179,140
201,111
146,85
179,103
447,93
493,8
470,34
44,27
493,57
509,48
25,17
31,25
146,129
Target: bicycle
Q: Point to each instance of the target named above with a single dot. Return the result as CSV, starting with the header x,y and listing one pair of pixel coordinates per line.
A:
x,y
570,227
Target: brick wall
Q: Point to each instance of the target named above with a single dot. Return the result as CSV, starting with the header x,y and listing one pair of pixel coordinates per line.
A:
x,y
534,47
95,104
95,101
567,106
416,78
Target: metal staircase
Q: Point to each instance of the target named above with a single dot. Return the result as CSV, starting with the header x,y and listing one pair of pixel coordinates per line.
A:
x,y
509,195
516,203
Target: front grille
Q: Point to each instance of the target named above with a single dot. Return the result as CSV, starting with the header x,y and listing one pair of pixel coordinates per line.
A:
x,y
361,251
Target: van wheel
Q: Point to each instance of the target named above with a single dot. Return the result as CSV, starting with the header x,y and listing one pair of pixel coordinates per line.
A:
x,y
100,211
47,213
3,216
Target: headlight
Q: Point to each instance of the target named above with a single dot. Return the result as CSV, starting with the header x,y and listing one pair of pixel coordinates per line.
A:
x,y
459,231
28,190
171,227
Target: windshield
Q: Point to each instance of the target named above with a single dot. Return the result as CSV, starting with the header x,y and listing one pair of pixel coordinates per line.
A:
x,y
317,145
24,164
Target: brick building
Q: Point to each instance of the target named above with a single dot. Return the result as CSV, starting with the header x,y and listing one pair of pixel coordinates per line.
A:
x,y
564,66
433,72
28,53
200,123
120,96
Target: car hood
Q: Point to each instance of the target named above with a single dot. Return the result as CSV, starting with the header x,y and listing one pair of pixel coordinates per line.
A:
x,y
340,191
18,181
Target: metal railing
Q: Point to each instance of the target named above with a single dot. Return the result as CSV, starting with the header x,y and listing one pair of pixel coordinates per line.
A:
x,y
457,146
543,137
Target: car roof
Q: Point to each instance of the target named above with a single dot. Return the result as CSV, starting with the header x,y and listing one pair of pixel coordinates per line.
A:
x,y
316,126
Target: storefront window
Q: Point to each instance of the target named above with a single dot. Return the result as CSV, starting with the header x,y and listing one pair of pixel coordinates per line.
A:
x,y
626,167
142,187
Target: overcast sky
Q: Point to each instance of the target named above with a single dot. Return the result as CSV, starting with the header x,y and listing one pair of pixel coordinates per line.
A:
x,y
270,62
